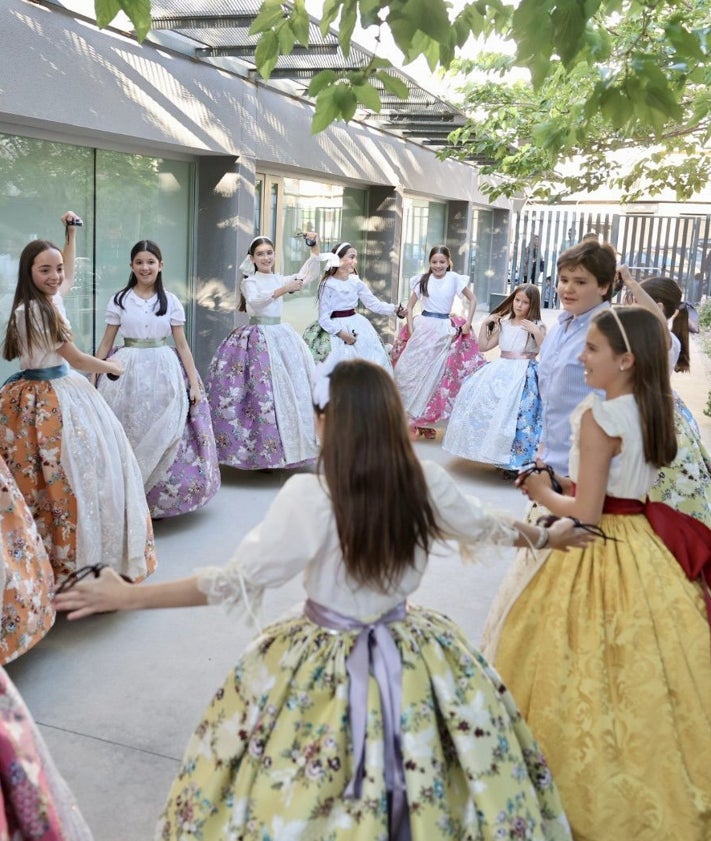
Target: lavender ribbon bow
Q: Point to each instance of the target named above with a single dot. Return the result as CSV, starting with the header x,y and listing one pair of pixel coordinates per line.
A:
x,y
374,652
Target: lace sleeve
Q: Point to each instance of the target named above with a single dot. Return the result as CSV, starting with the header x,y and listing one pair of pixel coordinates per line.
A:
x,y
230,587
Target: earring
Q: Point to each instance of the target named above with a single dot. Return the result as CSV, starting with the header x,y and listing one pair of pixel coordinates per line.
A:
x,y
622,367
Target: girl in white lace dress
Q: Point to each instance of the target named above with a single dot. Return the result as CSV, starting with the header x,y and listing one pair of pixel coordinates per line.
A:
x,y
297,743
435,352
159,399
497,414
340,332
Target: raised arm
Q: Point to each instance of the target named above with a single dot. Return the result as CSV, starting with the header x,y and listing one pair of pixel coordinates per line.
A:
x,y
69,250
643,299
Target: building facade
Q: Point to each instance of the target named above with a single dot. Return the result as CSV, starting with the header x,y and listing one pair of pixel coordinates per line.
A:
x,y
146,141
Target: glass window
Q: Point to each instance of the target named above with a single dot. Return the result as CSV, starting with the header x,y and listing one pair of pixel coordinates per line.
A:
x,y
137,198
424,226
338,214
121,198
481,255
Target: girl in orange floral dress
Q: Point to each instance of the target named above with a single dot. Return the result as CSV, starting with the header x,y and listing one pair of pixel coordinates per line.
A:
x,y
65,448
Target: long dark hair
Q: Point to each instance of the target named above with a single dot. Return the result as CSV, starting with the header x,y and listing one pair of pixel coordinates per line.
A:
x,y
339,250
667,292
366,452
425,279
152,248
650,383
52,329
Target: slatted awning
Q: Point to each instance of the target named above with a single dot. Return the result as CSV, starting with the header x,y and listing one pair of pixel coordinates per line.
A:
x,y
219,31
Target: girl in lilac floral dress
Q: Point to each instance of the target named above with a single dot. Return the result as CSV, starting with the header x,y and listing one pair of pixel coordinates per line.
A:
x,y
159,398
358,716
259,381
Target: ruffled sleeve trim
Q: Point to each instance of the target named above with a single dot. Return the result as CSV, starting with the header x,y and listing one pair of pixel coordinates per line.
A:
x,y
230,587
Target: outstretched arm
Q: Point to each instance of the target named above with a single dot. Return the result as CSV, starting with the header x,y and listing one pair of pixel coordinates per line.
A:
x,y
597,450
84,362
110,592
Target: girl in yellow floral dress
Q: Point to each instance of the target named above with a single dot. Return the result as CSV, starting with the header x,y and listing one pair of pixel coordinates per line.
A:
x,y
606,649
360,716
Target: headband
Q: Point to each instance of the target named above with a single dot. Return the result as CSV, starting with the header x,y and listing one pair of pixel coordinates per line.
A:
x,y
622,329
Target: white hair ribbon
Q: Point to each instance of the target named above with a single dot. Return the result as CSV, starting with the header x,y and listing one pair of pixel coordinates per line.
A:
x,y
321,382
331,260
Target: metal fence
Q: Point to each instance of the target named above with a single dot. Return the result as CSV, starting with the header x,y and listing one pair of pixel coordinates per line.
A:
x,y
674,246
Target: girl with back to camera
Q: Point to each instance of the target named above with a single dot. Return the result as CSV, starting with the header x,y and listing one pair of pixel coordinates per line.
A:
x,y
340,332
374,719
65,447
606,649
435,352
259,380
159,397
497,416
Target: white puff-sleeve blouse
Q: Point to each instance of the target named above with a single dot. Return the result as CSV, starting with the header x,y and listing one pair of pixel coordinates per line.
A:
x,y
298,535
631,476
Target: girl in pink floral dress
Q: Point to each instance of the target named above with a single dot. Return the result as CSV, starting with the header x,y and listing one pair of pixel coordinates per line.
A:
x,y
436,351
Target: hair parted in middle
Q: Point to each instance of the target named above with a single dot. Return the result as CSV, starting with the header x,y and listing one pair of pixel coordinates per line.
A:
x,y
152,248
650,376
534,297
377,487
425,279
598,258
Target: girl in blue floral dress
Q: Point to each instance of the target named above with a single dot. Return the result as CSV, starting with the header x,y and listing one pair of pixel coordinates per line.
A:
x,y
359,716
496,417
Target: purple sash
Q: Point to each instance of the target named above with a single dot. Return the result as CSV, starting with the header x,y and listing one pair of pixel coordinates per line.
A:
x,y
374,652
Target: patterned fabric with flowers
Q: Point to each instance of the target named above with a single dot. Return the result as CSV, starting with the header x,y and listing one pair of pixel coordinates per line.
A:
x,y
272,756
27,576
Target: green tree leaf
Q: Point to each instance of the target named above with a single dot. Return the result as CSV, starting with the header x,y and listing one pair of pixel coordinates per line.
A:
x,y
138,12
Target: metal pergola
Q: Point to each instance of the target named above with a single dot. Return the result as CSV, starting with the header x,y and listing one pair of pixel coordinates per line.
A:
x,y
219,31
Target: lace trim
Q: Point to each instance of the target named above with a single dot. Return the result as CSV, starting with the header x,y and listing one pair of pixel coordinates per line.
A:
x,y
231,588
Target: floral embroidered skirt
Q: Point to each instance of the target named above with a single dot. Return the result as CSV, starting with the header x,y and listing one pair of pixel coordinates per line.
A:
x,y
259,391
27,576
272,757
431,365
686,483
73,464
172,441
497,415
35,802
368,344
606,652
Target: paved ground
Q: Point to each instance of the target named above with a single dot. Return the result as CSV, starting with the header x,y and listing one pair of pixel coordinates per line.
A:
x,y
117,696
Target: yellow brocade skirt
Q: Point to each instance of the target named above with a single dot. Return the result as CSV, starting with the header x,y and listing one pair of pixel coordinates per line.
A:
x,y
607,653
